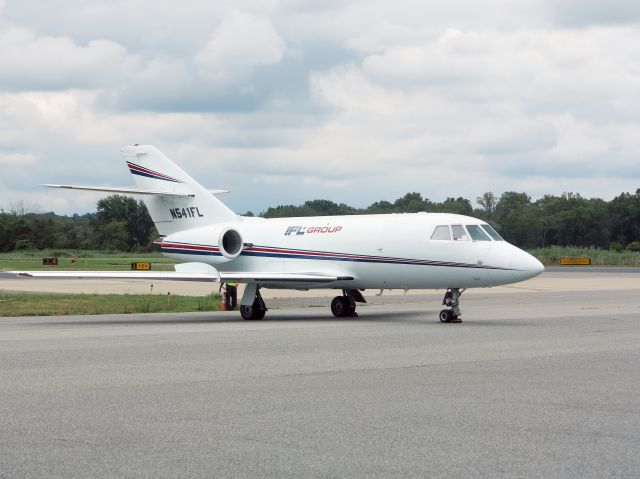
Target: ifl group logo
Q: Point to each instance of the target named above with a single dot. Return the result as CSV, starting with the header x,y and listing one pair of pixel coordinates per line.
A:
x,y
302,230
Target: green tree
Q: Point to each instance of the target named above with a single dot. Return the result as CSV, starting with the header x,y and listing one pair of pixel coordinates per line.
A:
x,y
509,201
309,208
517,219
634,246
46,232
625,217
488,203
327,208
410,203
381,207
570,219
132,214
7,232
459,206
113,236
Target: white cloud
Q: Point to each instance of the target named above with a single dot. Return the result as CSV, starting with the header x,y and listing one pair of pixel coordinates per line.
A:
x,y
350,100
17,160
46,62
241,43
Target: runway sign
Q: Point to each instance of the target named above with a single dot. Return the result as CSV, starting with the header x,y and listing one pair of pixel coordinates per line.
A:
x,y
582,261
140,265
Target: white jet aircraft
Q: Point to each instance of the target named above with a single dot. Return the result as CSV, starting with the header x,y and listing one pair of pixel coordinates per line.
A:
x,y
346,253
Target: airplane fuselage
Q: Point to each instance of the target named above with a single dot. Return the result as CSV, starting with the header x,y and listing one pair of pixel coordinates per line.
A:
x,y
388,251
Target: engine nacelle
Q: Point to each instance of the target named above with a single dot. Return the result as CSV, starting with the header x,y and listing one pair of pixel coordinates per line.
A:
x,y
230,243
210,244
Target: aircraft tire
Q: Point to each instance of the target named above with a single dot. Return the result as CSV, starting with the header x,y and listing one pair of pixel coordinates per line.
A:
x,y
340,306
446,316
351,307
251,312
246,312
255,311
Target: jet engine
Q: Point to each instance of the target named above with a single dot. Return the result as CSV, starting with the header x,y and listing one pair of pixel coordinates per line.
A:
x,y
230,243
211,244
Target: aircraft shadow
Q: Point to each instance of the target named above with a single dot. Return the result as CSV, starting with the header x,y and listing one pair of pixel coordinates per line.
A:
x,y
409,316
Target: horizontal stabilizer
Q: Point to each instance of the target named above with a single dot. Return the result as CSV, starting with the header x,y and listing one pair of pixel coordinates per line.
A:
x,y
129,191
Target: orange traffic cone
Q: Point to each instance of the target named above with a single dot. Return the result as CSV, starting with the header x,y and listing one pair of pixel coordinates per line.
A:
x,y
223,302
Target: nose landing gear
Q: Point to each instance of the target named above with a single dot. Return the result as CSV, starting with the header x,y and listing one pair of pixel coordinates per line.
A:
x,y
451,299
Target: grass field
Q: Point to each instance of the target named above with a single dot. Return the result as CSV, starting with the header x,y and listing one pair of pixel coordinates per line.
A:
x,y
551,256
87,260
38,304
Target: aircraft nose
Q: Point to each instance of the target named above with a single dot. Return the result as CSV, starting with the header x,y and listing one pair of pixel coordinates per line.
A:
x,y
524,266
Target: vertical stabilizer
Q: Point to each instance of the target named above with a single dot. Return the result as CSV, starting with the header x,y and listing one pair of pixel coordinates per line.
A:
x,y
154,171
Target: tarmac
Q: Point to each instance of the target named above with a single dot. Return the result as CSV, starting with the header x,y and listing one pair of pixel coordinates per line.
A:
x,y
539,380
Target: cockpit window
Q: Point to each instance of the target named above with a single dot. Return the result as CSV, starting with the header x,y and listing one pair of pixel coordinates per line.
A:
x,y
477,234
459,234
493,233
441,233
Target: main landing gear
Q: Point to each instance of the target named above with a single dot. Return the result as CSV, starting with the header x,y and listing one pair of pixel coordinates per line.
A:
x,y
256,310
252,305
451,299
345,305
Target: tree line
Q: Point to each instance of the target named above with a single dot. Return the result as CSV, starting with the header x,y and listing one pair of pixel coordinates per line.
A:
x,y
121,223
565,220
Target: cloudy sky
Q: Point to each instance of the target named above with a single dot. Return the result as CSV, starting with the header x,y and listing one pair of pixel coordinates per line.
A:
x,y
353,101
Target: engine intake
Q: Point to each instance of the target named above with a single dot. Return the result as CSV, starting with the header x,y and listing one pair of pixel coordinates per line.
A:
x,y
230,243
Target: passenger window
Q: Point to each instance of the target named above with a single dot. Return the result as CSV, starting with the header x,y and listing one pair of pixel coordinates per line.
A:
x,y
477,234
459,234
492,233
441,233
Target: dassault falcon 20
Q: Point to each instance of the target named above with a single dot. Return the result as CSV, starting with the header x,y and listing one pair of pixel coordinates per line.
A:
x,y
345,253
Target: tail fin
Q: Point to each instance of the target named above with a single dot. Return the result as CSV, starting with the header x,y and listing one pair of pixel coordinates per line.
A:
x,y
154,171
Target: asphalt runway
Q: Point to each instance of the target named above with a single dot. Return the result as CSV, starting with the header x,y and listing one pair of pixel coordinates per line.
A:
x,y
542,384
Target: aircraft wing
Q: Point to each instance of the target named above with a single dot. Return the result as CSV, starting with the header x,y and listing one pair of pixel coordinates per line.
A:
x,y
186,274
113,189
257,276
145,275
